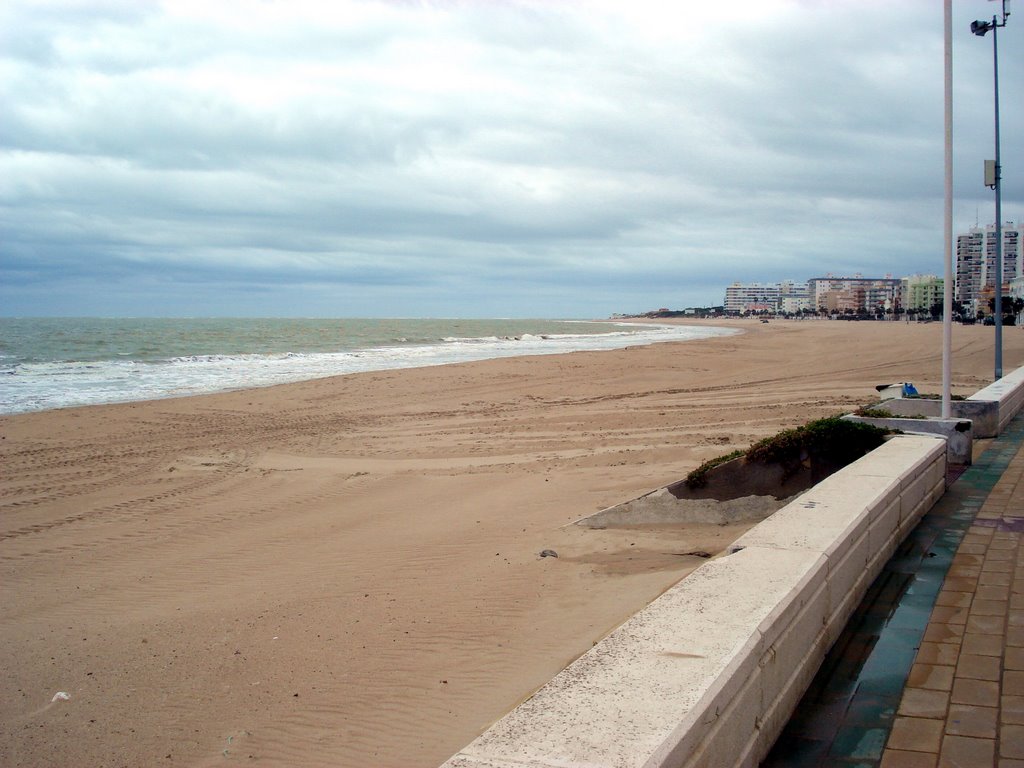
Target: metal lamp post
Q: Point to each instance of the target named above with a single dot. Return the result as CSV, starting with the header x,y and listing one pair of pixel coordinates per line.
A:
x,y
992,179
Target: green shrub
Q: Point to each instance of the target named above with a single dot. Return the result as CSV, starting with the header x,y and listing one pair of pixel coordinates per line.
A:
x,y
832,440
698,478
838,441
874,413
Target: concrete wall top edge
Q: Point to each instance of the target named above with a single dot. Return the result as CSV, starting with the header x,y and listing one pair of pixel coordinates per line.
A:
x,y
838,508
463,760
849,486
909,454
997,390
807,524
628,693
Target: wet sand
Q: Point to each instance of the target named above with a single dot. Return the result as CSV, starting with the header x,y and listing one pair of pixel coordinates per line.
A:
x,y
345,572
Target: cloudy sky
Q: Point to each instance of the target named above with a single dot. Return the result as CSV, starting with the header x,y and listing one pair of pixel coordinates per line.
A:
x,y
481,158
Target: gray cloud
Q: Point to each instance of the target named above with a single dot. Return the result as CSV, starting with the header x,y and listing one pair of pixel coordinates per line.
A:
x,y
477,158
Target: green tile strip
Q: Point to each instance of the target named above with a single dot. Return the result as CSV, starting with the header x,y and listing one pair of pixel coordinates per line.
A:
x,y
845,717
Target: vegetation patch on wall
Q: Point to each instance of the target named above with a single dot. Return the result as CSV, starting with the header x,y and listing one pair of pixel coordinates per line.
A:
x,y
830,442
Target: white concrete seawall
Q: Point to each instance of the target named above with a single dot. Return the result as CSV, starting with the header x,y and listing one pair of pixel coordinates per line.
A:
x,y
1008,392
708,674
989,409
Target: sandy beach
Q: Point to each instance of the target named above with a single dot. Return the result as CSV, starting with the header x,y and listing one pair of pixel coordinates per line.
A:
x,y
346,572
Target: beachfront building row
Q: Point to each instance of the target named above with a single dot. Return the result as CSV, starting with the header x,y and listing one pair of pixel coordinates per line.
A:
x,y
855,295
829,294
839,295
974,284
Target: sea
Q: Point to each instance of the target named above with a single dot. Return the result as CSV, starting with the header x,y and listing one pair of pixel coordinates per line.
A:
x,y
50,363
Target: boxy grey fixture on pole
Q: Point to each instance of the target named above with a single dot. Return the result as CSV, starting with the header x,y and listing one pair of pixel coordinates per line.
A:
x,y
992,179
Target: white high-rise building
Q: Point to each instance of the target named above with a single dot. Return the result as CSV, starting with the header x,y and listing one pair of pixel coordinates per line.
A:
x,y
976,264
741,298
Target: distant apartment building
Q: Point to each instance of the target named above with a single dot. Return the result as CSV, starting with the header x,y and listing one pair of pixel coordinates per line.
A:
x,y
921,292
744,298
854,294
794,298
976,264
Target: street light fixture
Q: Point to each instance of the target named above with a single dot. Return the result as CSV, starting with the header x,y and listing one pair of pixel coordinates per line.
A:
x,y
992,179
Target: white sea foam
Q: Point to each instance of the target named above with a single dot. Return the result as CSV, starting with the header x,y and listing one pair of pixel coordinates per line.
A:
x,y
35,386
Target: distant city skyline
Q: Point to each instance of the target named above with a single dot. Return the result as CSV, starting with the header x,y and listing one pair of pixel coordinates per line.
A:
x,y
524,159
973,272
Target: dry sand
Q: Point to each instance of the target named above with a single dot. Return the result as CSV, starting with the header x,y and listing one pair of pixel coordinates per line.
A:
x,y
345,572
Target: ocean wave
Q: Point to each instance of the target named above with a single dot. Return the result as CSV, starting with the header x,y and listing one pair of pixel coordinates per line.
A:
x,y
30,386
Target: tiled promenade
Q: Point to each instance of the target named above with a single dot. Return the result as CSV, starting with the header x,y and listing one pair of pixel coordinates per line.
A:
x,y
964,700
930,671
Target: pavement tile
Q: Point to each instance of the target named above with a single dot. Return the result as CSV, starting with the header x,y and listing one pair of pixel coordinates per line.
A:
x,y
993,592
923,702
978,667
995,577
999,554
969,558
982,645
971,720
962,585
932,676
1011,710
943,632
916,734
944,614
989,607
986,625
966,752
983,693
974,547
1013,658
965,572
938,653
957,599
1013,682
895,758
997,566
1011,742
